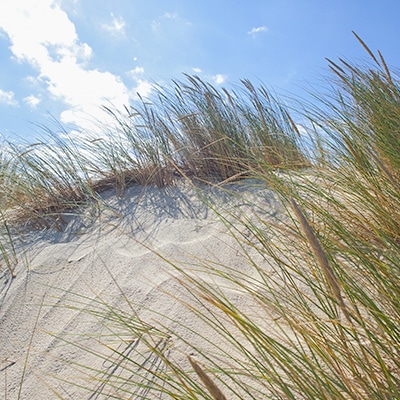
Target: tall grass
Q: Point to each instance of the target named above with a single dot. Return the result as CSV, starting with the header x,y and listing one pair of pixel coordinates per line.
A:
x,y
327,294
7,249
190,128
222,133
8,254
194,129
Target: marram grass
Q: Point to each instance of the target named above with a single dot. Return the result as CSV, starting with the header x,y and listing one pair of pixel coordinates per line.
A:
x,y
331,287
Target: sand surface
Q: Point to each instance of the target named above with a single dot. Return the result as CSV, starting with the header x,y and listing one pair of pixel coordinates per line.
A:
x,y
49,324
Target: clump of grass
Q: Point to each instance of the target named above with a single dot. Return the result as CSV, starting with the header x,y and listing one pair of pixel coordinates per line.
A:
x,y
223,133
47,180
191,129
8,255
196,130
353,237
361,135
133,152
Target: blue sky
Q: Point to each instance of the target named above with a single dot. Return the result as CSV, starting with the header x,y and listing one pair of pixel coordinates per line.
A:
x,y
65,58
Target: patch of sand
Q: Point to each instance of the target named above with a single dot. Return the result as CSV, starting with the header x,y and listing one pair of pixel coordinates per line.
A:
x,y
114,259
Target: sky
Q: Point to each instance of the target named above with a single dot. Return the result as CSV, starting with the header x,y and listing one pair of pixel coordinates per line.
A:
x,y
61,60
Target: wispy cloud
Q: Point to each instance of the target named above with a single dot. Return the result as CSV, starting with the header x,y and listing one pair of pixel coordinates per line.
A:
x,y
219,79
157,24
255,31
32,101
7,98
116,27
135,72
170,15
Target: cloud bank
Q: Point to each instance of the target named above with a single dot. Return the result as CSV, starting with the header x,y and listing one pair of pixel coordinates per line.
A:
x,y
42,35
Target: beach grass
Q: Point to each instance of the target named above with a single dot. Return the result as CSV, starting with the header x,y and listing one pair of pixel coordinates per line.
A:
x,y
328,292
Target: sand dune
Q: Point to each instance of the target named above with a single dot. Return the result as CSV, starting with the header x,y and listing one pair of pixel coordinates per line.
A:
x,y
96,259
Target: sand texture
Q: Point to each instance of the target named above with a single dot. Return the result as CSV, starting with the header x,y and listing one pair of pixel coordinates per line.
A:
x,y
54,315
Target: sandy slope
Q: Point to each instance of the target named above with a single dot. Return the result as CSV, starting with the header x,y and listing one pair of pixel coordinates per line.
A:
x,y
94,259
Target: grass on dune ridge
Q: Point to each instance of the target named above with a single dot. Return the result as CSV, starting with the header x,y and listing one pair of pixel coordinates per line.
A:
x,y
340,338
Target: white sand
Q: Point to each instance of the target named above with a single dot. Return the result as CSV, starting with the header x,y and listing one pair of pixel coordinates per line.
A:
x,y
97,258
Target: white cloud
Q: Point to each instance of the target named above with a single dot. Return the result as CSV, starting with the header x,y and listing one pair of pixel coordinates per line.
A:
x,y
34,26
116,27
7,98
169,15
197,70
136,71
255,31
32,101
42,35
219,79
143,88
155,26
